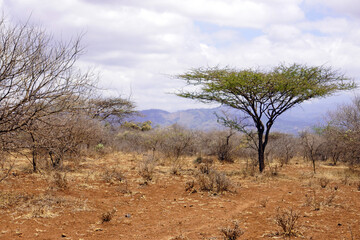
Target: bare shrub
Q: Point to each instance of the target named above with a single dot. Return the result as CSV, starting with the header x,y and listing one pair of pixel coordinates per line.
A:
x,y
224,144
146,167
179,237
263,202
232,233
179,142
108,215
5,171
214,181
286,220
190,186
60,181
342,132
324,182
313,147
282,147
328,200
313,201
112,176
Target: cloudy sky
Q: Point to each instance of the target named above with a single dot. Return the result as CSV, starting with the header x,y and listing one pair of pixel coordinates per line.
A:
x,y
136,45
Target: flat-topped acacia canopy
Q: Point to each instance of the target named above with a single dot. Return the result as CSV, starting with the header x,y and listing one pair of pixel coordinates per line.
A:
x,y
263,95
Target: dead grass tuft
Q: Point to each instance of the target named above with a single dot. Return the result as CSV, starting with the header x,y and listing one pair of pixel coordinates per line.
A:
x,y
232,233
108,215
214,182
147,167
286,219
324,182
59,181
112,176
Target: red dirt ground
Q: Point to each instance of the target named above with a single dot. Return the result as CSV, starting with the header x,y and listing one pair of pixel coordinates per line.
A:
x,y
34,206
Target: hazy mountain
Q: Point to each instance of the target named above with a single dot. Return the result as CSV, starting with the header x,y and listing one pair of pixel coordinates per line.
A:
x,y
296,119
205,119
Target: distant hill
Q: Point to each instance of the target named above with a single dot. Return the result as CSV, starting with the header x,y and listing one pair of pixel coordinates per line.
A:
x,y
205,119
299,118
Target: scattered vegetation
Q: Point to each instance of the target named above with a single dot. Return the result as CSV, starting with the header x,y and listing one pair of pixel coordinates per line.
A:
x,y
286,219
56,130
213,181
232,233
108,215
60,181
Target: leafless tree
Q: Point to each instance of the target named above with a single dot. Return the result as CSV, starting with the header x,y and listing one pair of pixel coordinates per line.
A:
x,y
312,144
38,76
343,132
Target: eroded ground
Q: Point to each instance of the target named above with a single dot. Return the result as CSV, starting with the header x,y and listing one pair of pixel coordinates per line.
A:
x,y
106,198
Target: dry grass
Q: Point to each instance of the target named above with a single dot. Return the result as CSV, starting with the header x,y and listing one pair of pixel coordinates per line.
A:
x,y
214,181
108,215
113,176
156,202
147,167
59,181
286,219
232,233
40,205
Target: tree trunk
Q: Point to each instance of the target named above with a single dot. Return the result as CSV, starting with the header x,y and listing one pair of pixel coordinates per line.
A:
x,y
33,152
34,160
261,148
261,159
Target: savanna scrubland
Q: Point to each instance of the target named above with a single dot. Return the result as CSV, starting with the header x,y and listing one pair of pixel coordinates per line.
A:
x,y
74,166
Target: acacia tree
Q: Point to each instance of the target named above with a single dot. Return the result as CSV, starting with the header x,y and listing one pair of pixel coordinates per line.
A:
x,y
110,109
262,95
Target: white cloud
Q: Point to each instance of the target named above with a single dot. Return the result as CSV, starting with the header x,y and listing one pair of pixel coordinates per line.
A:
x,y
348,7
136,44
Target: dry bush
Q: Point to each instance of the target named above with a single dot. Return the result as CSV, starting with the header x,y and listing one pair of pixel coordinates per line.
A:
x,y
112,176
5,171
41,205
329,200
249,170
179,142
190,186
342,133
324,182
316,201
214,181
263,202
272,171
147,167
204,164
179,237
9,199
281,147
286,219
313,201
108,215
224,144
59,181
313,147
232,233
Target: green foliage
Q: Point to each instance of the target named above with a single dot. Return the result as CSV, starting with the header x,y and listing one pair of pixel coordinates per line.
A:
x,y
262,95
99,147
141,126
276,90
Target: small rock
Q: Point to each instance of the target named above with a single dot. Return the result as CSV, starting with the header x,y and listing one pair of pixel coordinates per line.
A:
x,y
128,215
63,235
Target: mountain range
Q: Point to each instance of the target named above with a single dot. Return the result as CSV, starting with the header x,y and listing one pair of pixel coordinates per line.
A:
x,y
299,118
